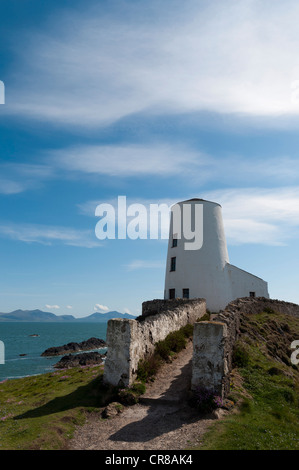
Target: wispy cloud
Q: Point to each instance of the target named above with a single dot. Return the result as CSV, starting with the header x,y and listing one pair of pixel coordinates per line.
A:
x,y
93,67
88,207
10,187
52,307
190,164
144,264
49,235
101,308
18,177
128,160
149,159
268,216
153,215
126,310
255,215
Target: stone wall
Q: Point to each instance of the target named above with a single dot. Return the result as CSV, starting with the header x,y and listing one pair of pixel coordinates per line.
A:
x,y
211,343
131,340
209,366
258,304
153,307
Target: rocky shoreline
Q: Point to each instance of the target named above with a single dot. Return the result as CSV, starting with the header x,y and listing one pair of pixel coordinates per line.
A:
x,y
83,359
91,343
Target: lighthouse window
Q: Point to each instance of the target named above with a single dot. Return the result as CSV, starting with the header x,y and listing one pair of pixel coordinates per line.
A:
x,y
173,264
172,293
251,294
185,293
174,242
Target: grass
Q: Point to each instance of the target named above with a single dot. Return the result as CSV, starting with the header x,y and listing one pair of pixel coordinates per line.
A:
x,y
265,388
41,412
130,395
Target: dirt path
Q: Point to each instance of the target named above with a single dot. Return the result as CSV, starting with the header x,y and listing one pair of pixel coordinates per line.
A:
x,y
162,420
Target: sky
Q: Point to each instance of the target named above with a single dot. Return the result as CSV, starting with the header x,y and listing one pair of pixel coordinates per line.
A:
x,y
157,102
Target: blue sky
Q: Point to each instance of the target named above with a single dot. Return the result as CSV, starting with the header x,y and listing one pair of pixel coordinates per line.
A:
x,y
156,101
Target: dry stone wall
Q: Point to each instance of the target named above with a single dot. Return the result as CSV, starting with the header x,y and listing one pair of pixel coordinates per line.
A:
x,y
214,341
129,341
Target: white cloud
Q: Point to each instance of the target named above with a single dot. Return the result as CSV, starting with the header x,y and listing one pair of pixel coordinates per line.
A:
x,y
150,220
267,216
255,215
69,307
101,308
49,235
126,310
90,68
10,187
193,166
128,160
18,177
52,307
88,208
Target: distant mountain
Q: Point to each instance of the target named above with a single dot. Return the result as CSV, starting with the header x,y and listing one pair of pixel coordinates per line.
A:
x,y
34,316
40,316
103,317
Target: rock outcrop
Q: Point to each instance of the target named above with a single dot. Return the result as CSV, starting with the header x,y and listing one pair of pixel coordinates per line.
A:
x,y
112,410
91,343
82,359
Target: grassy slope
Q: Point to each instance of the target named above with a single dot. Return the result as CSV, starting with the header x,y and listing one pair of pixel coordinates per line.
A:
x,y
265,386
41,412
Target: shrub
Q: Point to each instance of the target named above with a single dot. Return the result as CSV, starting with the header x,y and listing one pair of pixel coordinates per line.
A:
x,y
138,388
275,371
246,406
288,395
130,395
163,350
187,330
127,397
147,368
206,400
269,310
205,317
240,356
174,342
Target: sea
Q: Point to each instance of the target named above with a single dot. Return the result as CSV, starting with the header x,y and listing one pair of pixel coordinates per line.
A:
x,y
24,342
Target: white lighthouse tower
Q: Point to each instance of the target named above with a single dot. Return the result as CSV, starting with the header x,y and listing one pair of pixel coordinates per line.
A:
x,y
202,269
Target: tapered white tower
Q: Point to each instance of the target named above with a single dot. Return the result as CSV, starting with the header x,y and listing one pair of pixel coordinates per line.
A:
x,y
201,269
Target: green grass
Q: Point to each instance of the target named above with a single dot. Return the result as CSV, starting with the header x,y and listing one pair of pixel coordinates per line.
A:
x,y
41,412
265,386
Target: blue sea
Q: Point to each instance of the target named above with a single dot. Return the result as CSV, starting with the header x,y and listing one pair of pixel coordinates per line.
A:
x,y
17,340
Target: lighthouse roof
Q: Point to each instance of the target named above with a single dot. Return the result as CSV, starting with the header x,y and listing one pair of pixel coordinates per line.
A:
x,y
202,200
